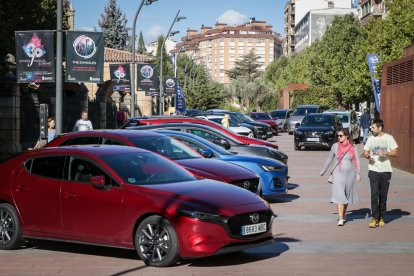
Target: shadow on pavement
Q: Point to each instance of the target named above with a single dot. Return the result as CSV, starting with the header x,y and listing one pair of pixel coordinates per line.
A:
x,y
248,256
292,186
395,214
364,213
283,198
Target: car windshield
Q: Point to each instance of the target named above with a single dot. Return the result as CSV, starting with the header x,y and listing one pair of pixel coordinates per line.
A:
x,y
232,122
145,168
205,144
304,110
166,146
278,114
261,116
343,118
317,120
245,118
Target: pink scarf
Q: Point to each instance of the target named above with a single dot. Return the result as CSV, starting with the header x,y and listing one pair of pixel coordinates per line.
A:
x,y
343,148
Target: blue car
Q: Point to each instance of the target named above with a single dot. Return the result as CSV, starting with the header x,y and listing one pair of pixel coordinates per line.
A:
x,y
273,174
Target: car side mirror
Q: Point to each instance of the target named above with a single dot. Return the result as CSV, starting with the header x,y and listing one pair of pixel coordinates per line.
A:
x,y
222,143
98,181
297,125
207,153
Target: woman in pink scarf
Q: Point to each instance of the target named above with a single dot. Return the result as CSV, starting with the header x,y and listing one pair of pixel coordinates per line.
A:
x,y
345,173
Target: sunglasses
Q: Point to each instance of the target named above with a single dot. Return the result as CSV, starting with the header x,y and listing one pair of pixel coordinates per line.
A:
x,y
340,135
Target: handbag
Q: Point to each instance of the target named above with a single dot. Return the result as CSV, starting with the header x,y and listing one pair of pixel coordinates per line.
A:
x,y
330,177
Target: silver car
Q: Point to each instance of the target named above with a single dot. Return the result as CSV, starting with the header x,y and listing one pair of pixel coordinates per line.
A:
x,y
300,112
349,120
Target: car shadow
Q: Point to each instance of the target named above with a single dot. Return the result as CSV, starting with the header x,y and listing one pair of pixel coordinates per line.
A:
x,y
283,198
248,256
292,186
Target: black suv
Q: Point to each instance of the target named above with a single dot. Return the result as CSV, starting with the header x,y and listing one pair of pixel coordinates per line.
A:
x,y
316,130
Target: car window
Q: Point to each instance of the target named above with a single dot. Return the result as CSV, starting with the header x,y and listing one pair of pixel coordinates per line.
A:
x,y
81,170
343,118
304,110
204,134
46,166
281,114
81,141
261,116
146,168
206,145
317,120
109,141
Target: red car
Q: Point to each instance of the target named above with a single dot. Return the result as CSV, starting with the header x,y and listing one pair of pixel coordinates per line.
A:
x,y
264,117
181,119
126,197
168,147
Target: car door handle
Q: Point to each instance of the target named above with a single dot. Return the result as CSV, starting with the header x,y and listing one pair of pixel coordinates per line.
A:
x,y
70,195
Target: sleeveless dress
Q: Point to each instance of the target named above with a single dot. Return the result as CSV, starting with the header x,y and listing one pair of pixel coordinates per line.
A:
x,y
344,188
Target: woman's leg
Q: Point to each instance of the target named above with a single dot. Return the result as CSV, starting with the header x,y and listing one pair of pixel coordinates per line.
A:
x,y
344,211
341,211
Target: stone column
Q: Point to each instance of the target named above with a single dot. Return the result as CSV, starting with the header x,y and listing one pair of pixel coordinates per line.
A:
x,y
9,111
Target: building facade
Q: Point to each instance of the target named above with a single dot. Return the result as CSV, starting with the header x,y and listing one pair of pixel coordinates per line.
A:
x,y
289,20
220,47
371,8
153,46
313,25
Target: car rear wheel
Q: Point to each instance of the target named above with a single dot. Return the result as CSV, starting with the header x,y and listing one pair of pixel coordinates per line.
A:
x,y
156,242
10,231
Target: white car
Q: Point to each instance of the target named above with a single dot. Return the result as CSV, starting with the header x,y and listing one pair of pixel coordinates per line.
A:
x,y
234,126
349,120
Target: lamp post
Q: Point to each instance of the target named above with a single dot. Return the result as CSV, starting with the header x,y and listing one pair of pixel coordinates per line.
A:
x,y
146,2
59,78
161,97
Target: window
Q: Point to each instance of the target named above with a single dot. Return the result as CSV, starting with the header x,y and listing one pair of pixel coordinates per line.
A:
x,y
46,166
81,170
81,141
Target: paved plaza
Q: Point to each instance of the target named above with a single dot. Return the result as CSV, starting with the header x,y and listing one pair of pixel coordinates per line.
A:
x,y
308,240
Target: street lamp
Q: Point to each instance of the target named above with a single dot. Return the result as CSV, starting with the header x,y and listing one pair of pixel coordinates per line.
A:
x,y
143,2
161,97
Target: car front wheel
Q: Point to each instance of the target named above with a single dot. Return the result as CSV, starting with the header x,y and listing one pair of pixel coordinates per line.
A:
x,y
10,231
156,242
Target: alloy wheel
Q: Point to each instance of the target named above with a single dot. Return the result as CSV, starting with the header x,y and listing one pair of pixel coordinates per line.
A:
x,y
154,242
7,226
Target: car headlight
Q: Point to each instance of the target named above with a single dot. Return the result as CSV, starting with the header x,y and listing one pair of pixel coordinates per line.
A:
x,y
298,132
271,168
329,133
200,215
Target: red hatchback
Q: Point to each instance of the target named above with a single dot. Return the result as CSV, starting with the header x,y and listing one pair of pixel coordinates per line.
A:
x,y
168,147
126,197
264,117
181,119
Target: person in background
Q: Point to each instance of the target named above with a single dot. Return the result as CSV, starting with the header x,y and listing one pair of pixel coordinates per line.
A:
x,y
226,120
122,116
378,148
345,173
83,123
51,134
365,122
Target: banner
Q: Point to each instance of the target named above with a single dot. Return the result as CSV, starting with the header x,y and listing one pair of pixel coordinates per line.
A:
x,y
179,100
84,57
120,76
147,79
35,56
170,86
376,85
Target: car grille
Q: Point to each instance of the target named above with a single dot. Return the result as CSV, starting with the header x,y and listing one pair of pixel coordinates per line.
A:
x,y
235,223
278,184
313,134
251,185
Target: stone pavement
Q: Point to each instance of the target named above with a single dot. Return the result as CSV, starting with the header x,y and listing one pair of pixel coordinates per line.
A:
x,y
308,240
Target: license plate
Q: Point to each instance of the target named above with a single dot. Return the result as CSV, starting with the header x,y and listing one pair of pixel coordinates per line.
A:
x,y
269,132
312,139
253,229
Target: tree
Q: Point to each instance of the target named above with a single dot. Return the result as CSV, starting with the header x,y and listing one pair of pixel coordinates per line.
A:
x,y
21,16
167,66
113,24
141,45
247,67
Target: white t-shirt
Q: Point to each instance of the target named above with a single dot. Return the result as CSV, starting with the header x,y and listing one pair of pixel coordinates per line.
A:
x,y
82,125
374,145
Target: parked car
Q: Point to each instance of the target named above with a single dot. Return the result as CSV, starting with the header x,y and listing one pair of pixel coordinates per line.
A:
x,y
273,174
299,113
264,117
234,126
349,120
221,139
180,119
126,197
317,130
260,130
281,116
170,148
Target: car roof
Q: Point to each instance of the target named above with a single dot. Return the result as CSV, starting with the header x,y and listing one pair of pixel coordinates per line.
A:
x,y
308,105
86,149
127,133
337,111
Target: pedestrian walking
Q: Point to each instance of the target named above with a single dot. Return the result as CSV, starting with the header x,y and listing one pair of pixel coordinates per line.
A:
x,y
365,122
378,148
83,123
345,173
226,120
122,116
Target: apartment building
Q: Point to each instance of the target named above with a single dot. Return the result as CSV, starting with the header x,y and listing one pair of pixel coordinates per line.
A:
x,y
371,8
219,47
289,20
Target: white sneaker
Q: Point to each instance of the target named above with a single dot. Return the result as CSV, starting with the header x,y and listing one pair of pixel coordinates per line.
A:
x,y
341,222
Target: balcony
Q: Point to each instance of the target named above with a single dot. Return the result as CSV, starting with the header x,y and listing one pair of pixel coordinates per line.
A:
x,y
378,9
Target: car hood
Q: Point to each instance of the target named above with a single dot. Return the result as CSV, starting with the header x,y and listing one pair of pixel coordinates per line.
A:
x,y
315,128
257,123
253,159
216,169
296,118
207,195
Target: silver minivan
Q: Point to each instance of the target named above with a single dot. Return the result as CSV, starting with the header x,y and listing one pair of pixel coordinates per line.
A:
x,y
349,120
300,112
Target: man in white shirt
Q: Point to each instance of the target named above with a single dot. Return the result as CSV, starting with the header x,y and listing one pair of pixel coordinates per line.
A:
x,y
83,123
378,148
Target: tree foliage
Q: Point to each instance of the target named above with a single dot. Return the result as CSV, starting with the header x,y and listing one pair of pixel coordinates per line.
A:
x,y
141,44
246,67
114,27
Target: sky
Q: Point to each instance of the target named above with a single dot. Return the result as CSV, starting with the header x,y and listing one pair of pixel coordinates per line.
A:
x,y
156,19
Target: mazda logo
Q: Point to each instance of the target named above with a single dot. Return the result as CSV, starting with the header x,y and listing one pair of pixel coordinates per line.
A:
x,y
254,218
246,184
